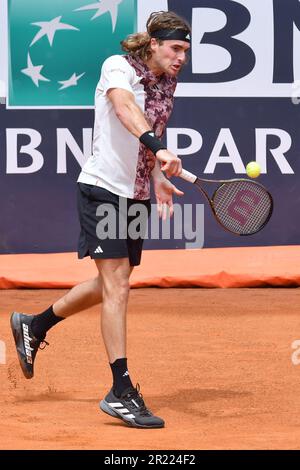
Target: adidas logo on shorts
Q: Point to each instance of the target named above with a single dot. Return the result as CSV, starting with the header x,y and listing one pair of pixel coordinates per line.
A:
x,y
98,249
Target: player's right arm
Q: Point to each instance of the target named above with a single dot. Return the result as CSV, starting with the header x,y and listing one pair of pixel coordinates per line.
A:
x,y
133,119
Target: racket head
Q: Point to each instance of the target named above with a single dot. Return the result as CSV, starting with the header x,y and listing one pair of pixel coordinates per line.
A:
x,y
243,207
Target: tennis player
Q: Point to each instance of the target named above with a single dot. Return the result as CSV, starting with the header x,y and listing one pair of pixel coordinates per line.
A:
x,y
133,101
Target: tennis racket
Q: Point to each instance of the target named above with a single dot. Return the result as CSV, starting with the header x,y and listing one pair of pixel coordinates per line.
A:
x,y
241,206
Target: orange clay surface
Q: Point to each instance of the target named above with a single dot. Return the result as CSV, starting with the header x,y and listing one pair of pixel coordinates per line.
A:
x,y
214,363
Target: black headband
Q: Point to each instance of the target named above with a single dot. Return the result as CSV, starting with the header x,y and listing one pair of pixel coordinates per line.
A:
x,y
172,34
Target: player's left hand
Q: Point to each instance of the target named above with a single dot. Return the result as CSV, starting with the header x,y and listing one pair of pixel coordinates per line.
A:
x,y
164,190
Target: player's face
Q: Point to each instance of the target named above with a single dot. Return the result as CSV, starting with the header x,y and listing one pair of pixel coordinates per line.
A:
x,y
168,57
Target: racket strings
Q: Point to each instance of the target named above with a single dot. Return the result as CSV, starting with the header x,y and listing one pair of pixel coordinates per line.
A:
x,y
242,207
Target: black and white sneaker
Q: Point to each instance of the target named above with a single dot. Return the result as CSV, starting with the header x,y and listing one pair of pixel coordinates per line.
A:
x,y
27,344
131,408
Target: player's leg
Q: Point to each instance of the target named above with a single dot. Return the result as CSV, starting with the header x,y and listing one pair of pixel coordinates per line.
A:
x,y
123,401
29,331
115,275
80,297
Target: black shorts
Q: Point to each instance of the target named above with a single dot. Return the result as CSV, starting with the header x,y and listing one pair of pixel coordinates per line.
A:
x,y
107,230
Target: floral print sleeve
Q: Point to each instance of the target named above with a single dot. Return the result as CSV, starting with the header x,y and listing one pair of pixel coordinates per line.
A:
x,y
159,97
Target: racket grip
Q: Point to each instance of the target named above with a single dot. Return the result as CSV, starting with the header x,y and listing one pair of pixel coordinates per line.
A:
x,y
187,176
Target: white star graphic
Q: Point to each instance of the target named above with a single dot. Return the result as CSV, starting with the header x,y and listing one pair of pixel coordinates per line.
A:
x,y
104,6
49,28
72,81
33,71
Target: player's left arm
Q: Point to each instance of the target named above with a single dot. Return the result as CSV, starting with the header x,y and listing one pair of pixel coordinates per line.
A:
x,y
164,190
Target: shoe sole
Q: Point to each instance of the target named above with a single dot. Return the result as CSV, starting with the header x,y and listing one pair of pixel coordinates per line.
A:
x,y
15,324
104,406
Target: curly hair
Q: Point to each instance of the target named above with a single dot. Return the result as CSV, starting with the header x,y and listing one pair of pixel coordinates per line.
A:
x,y
139,43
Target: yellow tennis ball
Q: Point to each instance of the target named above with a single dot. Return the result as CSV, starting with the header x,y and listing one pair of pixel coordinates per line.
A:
x,y
253,170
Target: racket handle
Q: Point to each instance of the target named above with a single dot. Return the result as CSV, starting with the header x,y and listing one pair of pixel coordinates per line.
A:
x,y
187,176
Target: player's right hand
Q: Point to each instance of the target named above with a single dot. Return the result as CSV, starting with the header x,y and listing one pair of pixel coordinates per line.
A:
x,y
172,165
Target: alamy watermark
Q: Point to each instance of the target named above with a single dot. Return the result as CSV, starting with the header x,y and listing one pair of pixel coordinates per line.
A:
x,y
133,221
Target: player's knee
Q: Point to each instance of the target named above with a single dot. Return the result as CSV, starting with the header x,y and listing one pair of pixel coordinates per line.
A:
x,y
123,288
118,290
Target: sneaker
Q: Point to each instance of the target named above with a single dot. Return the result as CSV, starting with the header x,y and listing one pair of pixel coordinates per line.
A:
x,y
131,408
26,343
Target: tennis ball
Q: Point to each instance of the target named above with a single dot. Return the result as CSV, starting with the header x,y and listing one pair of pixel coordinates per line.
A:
x,y
253,170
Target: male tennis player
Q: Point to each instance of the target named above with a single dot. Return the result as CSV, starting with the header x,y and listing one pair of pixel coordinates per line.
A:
x,y
134,99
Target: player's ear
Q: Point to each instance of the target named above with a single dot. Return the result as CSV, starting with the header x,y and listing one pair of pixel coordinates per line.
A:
x,y
154,44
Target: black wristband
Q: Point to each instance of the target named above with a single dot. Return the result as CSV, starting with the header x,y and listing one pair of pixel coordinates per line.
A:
x,y
152,142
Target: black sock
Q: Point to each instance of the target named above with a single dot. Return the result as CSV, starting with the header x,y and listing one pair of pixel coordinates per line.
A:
x,y
43,322
121,378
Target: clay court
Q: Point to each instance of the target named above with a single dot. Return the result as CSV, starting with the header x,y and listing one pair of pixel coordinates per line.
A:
x,y
214,363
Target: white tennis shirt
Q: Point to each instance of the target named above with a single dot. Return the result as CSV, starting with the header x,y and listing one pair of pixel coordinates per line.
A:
x,y
119,162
